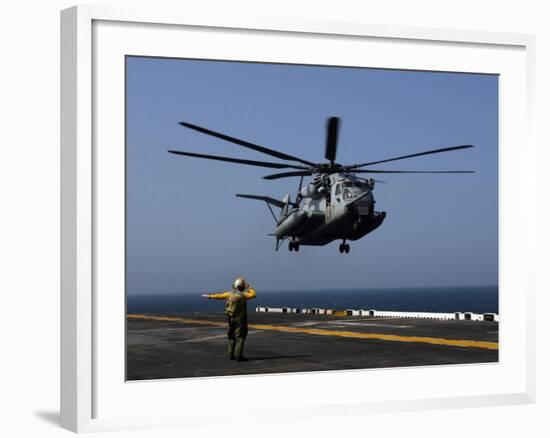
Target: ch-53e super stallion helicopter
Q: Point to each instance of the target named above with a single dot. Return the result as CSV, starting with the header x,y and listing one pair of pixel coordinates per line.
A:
x,y
336,205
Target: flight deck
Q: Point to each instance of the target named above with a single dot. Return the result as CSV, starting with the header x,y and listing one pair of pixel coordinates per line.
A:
x,y
194,345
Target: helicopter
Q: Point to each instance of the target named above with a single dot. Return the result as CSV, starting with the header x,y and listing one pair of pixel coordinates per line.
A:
x,y
337,204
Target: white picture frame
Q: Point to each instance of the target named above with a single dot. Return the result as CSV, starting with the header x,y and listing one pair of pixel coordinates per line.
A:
x,y
93,398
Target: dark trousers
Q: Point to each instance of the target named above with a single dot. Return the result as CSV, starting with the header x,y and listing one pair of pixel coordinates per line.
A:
x,y
238,329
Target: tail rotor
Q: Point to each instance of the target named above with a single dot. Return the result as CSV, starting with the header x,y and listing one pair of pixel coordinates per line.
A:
x,y
299,193
284,208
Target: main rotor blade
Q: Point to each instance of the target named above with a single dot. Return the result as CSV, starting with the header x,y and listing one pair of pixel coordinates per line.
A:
x,y
433,151
246,144
288,174
239,160
411,171
332,138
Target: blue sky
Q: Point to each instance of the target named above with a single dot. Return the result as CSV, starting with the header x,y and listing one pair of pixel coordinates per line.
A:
x,y
188,233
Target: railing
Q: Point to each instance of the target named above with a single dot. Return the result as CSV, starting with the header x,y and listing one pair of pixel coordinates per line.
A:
x,y
464,316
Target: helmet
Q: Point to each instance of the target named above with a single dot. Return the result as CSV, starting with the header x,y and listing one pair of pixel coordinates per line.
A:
x,y
239,284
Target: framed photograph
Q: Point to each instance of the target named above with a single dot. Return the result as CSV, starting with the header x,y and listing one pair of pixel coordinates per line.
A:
x,y
326,215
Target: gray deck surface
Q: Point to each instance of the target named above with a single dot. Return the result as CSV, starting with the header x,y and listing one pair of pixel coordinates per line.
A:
x,y
167,349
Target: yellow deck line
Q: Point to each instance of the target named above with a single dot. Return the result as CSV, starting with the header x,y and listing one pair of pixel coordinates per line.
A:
x,y
324,332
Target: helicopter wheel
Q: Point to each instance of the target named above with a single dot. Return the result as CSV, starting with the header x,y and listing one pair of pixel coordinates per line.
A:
x,y
344,248
291,246
296,247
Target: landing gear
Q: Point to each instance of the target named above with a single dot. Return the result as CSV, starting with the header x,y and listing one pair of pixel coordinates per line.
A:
x,y
293,246
344,247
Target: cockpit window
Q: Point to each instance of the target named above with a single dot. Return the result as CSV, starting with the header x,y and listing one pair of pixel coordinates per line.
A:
x,y
348,194
338,189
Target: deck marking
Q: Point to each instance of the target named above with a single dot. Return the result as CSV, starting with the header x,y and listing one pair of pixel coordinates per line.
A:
x,y
339,333
370,324
208,338
201,339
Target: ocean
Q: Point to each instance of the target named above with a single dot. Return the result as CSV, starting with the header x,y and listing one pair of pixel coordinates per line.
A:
x,y
477,299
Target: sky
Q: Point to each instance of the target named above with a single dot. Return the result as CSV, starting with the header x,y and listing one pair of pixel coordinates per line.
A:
x,y
186,232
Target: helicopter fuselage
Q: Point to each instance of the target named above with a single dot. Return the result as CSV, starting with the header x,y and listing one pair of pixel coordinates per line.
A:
x,y
335,207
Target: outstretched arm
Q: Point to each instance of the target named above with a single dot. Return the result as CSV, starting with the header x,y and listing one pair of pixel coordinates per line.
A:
x,y
221,296
250,293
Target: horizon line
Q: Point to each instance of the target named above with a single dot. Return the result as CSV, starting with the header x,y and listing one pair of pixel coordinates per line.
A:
x,y
323,290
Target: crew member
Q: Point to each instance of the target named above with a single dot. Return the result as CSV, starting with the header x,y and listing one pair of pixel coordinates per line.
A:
x,y
235,310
